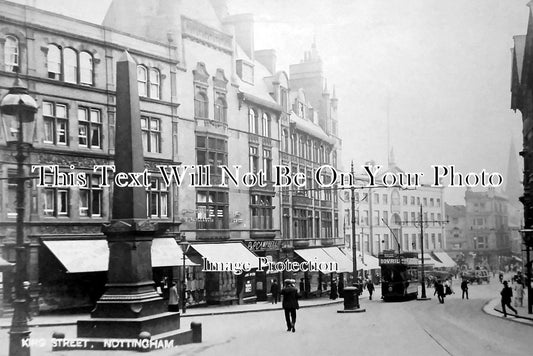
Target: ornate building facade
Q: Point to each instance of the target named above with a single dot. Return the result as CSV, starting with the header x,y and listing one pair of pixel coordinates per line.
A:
x,y
207,98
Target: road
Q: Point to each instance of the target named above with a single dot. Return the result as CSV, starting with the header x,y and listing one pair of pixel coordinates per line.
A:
x,y
457,327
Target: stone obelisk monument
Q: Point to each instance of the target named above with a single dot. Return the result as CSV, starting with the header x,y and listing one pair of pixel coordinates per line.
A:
x,y
130,307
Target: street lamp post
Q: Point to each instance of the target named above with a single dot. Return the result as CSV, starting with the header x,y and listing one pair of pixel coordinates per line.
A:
x,y
184,248
351,294
18,110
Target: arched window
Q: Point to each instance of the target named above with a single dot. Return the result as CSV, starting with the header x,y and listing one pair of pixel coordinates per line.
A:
x,y
86,68
266,125
252,121
70,68
294,144
155,83
201,105
220,109
54,62
11,54
142,80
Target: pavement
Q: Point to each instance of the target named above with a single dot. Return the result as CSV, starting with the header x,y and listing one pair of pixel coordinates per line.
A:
x,y
71,319
494,308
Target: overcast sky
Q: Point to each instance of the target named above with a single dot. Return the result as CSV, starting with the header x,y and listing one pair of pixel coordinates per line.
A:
x,y
442,68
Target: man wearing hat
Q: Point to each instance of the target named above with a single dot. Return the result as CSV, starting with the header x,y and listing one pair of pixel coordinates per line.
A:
x,y
507,295
290,303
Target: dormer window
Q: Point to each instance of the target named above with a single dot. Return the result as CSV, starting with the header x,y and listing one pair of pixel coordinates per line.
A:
x,y
283,98
301,110
245,71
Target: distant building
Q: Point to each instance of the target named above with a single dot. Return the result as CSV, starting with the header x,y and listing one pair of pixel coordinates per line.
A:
x,y
389,216
456,238
487,228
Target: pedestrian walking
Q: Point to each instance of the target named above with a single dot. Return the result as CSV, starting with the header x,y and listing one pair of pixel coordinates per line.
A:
x,y
500,276
464,288
290,303
173,298
439,291
507,294
341,287
333,294
274,289
370,287
302,288
519,294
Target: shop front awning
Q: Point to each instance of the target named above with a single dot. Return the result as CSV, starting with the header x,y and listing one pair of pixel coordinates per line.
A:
x,y
317,255
365,261
369,262
92,255
227,253
344,263
446,260
429,261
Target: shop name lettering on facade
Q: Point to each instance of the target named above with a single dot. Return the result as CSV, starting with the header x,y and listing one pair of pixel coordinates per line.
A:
x,y
263,245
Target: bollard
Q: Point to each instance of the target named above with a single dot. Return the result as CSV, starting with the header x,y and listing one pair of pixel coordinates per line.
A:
x,y
144,335
196,332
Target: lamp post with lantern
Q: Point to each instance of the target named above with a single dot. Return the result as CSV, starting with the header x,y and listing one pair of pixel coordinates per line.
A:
x,y
184,248
18,110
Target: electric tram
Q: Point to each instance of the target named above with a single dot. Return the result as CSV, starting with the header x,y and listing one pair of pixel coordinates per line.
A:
x,y
399,275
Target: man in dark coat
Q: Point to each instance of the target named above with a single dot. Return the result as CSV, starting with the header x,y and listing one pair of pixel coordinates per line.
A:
x,y
290,303
302,288
274,289
341,288
370,287
464,288
439,291
507,295
333,294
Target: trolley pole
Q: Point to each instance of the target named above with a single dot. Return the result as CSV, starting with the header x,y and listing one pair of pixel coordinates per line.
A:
x,y
423,279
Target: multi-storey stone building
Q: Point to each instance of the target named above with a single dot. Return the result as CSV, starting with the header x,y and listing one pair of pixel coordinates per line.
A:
x,y
388,218
478,234
207,97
